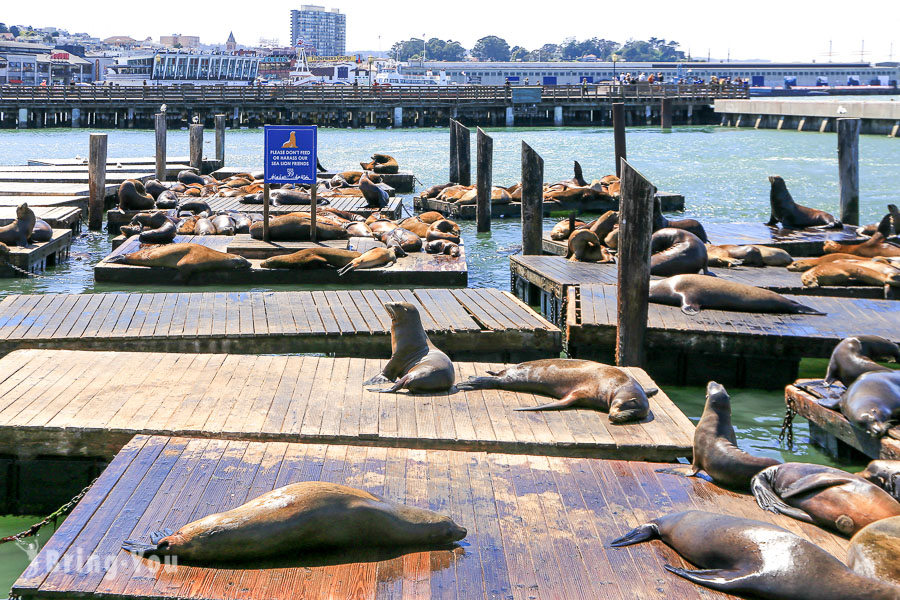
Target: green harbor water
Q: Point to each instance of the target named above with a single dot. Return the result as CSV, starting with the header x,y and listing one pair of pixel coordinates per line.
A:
x,y
721,172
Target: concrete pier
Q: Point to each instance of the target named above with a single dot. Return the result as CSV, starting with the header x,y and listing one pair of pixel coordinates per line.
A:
x,y
876,117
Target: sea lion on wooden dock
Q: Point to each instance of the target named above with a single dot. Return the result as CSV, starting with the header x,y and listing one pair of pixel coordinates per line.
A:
x,y
676,251
406,239
19,231
693,293
186,258
746,255
167,200
805,264
155,188
442,247
296,227
874,247
156,227
302,516
312,258
416,225
132,196
42,232
381,226
416,364
885,474
204,226
889,226
443,230
822,495
374,258
661,222
434,190
875,550
793,215
584,246
746,557
856,355
577,384
382,164
562,230
194,206
855,272
872,402
190,178
604,224
578,178
374,195
431,216
357,229
224,224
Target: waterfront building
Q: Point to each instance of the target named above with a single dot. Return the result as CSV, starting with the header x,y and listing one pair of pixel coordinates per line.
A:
x,y
324,30
200,68
176,40
34,64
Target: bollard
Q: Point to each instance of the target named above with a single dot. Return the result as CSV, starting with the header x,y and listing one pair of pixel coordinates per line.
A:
x,y
848,169
196,147
220,140
454,159
160,122
96,180
485,166
618,114
532,201
464,154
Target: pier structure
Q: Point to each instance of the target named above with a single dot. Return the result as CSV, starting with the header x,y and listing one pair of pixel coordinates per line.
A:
x,y
876,117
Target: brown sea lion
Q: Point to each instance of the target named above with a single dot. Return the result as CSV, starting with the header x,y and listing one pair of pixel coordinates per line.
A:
x,y
584,246
746,557
576,194
873,247
190,178
822,495
167,200
132,196
374,195
194,206
204,226
721,257
42,232
443,230
431,216
889,226
187,258
856,355
875,551
604,225
416,225
774,257
156,227
416,364
715,445
844,273
748,255
409,241
885,474
242,223
302,516
381,226
155,188
434,190
696,292
373,259
442,247
676,251
872,402
301,197
661,222
577,384
562,230
612,238
312,258
19,231
296,227
186,226
793,215
357,229
805,264
578,179
498,196
381,164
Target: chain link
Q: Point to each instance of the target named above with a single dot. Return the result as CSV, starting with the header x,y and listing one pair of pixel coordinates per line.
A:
x,y
787,426
60,512
21,270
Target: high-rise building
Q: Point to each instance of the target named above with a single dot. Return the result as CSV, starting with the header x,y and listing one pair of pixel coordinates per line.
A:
x,y
325,30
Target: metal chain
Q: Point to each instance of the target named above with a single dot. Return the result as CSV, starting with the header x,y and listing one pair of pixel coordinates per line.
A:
x,y
21,270
787,426
60,512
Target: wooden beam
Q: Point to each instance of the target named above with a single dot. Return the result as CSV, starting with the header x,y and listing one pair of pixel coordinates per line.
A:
x,y
848,169
96,180
665,114
454,158
618,115
464,153
485,166
635,229
220,140
196,146
532,200
160,122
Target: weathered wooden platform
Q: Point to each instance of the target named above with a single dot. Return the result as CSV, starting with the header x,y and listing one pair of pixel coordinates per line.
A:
x,y
58,217
404,181
91,403
831,430
12,201
485,324
544,280
145,161
112,176
671,203
31,190
415,269
538,527
172,170
796,242
354,205
732,347
38,256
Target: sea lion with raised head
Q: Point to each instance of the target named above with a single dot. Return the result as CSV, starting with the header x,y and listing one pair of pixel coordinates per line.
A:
x,y
875,551
856,355
872,402
885,474
577,384
793,215
186,258
382,164
889,226
416,364
693,293
676,251
873,247
132,196
374,195
302,516
312,258
578,178
373,259
661,222
155,188
822,495
19,231
746,557
604,224
585,246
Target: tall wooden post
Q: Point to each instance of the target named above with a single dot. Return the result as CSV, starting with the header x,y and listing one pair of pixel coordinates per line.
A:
x,y
196,147
266,213
848,168
485,174
665,114
313,206
635,229
532,200
220,140
464,154
618,114
96,180
160,122
454,157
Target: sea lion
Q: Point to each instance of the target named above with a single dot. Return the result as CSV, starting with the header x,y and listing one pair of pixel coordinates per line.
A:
x,y
357,229
194,206
433,191
604,225
416,225
872,402
856,355
715,445
381,164
578,178
822,495
747,255
374,195
259,198
186,226
155,188
190,178
773,257
746,557
793,215
302,197
241,223
416,364
575,194
885,474
312,258
431,216
19,231
844,273
167,200
204,226
612,238
132,196
889,226
721,257
442,247
805,264
577,384
661,222
443,230
562,231
498,196
224,224
164,234
676,251
296,227
381,226
696,292
302,516
875,551
584,246
409,241
873,247
42,232
374,258
187,258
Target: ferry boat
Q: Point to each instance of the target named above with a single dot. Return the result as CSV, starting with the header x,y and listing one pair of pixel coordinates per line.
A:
x,y
392,75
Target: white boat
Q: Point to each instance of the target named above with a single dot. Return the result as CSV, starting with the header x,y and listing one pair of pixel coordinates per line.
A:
x,y
391,74
301,75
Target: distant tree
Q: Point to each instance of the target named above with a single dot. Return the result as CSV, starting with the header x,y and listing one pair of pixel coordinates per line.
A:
x,y
602,49
4,28
518,53
650,50
491,48
15,31
547,53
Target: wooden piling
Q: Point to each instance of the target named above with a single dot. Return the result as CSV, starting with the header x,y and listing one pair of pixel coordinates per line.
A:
x,y
485,166
96,180
464,154
196,146
313,207
266,212
160,122
618,114
848,169
665,113
220,140
532,200
454,158
635,229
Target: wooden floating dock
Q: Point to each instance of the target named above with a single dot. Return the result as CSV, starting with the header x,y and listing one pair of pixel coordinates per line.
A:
x,y
37,257
91,403
415,269
355,205
12,201
545,280
172,170
830,430
671,203
538,527
403,182
747,349
112,177
147,163
58,217
484,323
31,190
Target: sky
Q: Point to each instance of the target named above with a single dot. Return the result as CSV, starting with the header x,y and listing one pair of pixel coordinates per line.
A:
x,y
785,30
